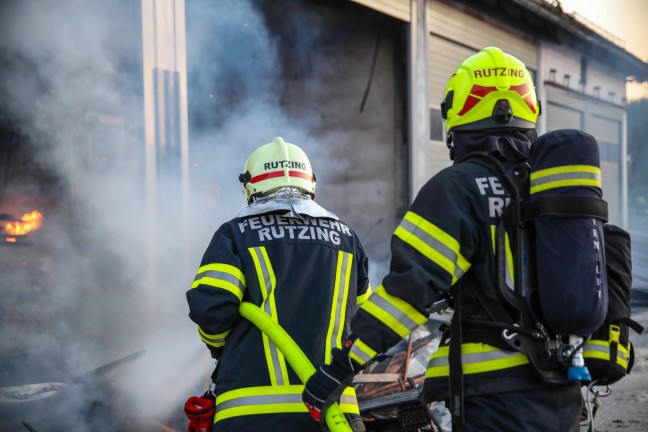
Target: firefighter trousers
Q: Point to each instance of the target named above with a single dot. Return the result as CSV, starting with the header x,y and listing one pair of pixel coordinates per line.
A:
x,y
544,409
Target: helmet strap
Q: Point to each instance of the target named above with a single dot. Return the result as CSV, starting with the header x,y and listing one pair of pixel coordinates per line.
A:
x,y
254,196
450,145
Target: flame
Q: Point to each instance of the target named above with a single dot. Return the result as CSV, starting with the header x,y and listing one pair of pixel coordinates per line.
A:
x,y
30,222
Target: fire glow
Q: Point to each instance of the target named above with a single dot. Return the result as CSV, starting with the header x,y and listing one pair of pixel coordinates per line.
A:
x,y
28,223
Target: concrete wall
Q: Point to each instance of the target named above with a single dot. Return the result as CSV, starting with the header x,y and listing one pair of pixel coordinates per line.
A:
x,y
356,110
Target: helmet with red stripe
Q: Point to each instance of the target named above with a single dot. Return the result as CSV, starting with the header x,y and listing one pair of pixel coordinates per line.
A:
x,y
275,165
490,89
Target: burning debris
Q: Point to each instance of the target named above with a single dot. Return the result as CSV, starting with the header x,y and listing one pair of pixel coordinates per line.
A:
x,y
14,229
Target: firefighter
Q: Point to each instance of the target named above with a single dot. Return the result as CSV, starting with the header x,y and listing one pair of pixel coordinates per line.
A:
x,y
298,262
444,248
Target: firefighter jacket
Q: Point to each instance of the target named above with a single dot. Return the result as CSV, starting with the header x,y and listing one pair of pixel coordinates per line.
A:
x,y
445,243
308,271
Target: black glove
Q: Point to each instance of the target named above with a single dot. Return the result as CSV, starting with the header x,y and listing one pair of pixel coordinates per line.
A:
x,y
326,385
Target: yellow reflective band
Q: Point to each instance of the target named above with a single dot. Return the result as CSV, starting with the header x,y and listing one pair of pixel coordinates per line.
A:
x,y
296,389
222,276
564,176
265,408
509,263
259,400
217,340
272,400
361,353
475,358
394,312
349,401
363,298
267,282
493,237
599,349
260,391
338,307
434,243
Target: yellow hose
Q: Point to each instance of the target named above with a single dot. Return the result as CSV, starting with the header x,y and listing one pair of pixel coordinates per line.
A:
x,y
334,417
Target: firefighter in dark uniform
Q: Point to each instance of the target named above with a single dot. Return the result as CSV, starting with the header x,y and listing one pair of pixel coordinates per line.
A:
x,y
445,247
300,264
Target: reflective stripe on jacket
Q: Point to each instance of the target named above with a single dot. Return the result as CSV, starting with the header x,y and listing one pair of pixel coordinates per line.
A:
x,y
272,400
475,358
445,233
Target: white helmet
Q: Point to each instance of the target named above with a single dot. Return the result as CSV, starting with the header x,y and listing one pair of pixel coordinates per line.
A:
x,y
275,165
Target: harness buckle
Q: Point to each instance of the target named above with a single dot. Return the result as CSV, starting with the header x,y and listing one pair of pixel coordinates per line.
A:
x,y
210,393
595,391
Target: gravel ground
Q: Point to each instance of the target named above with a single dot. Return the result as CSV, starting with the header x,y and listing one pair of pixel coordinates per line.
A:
x,y
626,408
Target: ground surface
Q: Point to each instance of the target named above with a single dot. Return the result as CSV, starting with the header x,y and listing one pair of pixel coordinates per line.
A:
x,y
626,408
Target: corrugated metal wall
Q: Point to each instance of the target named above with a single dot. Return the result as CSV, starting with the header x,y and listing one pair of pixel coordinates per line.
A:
x,y
454,35
400,9
571,102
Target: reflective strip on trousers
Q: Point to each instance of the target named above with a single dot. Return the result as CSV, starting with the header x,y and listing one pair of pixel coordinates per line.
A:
x,y
475,358
272,400
274,358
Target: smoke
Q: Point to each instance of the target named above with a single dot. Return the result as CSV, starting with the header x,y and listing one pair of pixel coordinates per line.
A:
x,y
236,103
72,79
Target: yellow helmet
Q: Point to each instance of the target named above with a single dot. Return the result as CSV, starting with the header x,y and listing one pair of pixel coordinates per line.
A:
x,y
490,89
275,165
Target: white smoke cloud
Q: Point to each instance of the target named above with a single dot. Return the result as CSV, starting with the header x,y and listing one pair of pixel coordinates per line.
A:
x,y
73,82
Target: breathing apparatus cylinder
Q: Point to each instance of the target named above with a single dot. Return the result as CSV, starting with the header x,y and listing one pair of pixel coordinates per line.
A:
x,y
570,255
566,196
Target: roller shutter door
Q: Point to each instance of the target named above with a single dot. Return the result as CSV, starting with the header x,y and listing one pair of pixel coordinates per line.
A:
x,y
464,35
570,110
396,8
563,117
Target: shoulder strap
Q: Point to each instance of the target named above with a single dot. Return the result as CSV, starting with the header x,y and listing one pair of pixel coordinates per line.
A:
x,y
514,176
456,365
524,333
634,325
